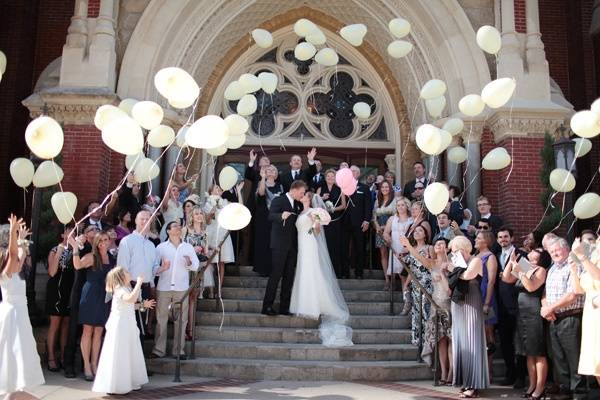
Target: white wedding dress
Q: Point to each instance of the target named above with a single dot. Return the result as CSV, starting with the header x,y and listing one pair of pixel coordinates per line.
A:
x,y
316,291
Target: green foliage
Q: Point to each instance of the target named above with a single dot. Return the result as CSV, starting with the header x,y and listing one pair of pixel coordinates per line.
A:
x,y
49,226
553,214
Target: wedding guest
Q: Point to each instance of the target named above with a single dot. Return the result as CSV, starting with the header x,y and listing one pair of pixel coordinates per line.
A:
x,y
177,259
418,191
296,172
418,213
252,173
385,205
485,211
187,206
447,229
344,164
588,236
467,218
58,293
469,358
93,309
390,178
409,188
96,216
152,202
172,209
181,182
319,177
122,229
531,242
129,197
530,326
332,196
113,248
454,209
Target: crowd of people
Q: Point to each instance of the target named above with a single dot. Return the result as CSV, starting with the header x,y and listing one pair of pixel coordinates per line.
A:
x,y
466,274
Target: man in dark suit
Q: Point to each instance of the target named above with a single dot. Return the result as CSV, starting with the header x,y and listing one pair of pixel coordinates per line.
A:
x,y
319,178
297,173
284,247
356,222
485,211
409,188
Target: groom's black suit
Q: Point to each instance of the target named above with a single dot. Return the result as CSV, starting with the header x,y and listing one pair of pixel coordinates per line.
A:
x,y
284,249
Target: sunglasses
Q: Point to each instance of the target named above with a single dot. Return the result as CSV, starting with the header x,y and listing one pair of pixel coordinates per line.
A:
x,y
485,228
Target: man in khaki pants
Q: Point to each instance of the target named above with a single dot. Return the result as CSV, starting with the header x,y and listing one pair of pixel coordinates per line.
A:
x,y
177,259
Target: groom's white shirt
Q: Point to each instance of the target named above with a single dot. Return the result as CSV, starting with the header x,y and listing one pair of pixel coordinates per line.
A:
x,y
291,200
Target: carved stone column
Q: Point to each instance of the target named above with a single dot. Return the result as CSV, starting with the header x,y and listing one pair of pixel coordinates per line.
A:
x,y
472,143
538,76
510,63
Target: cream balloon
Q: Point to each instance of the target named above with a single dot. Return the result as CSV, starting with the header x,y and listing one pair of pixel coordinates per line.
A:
x,y
127,104
146,170
107,113
234,91
181,103
362,110
595,107
435,106
327,57
208,132
64,205
585,124
268,82
471,105
177,85
488,39
47,174
457,154
432,89
234,216
218,151
235,141
446,139
582,146
587,206
399,27
399,48
304,27
454,126
44,136
428,139
436,197
147,114
263,38
180,138
161,136
228,177
250,83
237,124
304,51
22,170
247,105
124,136
316,38
497,93
354,34
562,180
496,159
132,160
2,63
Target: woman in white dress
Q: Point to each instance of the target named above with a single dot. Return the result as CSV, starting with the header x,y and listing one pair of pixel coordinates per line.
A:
x,y
172,210
316,291
20,367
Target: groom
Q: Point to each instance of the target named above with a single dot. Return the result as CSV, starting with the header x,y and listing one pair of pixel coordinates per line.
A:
x,y
284,247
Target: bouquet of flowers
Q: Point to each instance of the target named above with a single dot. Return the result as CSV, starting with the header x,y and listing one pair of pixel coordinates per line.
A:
x,y
390,209
319,216
214,201
330,206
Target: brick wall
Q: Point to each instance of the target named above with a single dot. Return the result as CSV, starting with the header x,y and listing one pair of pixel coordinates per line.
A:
x,y
93,8
520,16
553,26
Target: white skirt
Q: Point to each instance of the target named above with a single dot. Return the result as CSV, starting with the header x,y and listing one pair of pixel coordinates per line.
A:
x,y
214,235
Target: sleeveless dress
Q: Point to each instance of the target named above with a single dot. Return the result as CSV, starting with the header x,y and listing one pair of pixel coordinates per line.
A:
x,y
531,338
174,212
441,296
58,288
589,360
20,367
93,308
199,239
214,235
122,367
493,315
399,228
423,275
382,219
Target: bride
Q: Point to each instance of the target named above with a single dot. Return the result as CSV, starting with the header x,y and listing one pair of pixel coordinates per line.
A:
x,y
316,291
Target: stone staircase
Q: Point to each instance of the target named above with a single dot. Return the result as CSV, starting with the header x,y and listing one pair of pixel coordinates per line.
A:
x,y
254,346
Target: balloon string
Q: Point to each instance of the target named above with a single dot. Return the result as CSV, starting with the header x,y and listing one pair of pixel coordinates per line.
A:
x,y
562,212
25,201
467,162
412,118
470,183
512,159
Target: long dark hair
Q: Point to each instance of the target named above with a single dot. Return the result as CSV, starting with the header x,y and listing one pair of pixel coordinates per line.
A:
x,y
380,195
97,265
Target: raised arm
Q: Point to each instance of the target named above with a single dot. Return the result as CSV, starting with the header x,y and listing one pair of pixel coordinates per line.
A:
x,y
13,262
53,258
134,295
80,263
427,262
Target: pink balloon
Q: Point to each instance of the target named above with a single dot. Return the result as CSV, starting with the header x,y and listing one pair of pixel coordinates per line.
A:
x,y
344,177
350,187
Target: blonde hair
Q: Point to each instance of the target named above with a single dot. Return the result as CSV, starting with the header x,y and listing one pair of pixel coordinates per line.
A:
x,y
116,278
461,243
190,218
406,202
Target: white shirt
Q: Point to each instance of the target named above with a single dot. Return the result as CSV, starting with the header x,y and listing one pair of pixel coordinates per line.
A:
x,y
138,255
296,173
176,277
505,256
487,216
421,180
290,199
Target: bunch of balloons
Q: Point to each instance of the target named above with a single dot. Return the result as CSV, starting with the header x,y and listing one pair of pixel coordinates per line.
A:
x,y
346,181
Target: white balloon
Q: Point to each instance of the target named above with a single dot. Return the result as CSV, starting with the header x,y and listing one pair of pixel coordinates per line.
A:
x,y
237,124
488,39
127,104
587,206
234,216
446,139
22,170
268,82
234,91
131,160
146,170
562,180
124,136
228,177
180,138
263,38
2,63
435,106
497,93
362,110
585,124
177,85
107,113
250,83
235,141
582,146
496,159
64,205
436,197
44,136
399,27
218,151
181,104
208,132
317,38
354,34
432,89
471,105
454,126
428,139
161,136
595,107
304,27
399,48
457,154
47,174
327,57
247,105
304,51
148,114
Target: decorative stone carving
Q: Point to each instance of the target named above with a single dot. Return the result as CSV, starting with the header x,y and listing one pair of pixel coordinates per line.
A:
x,y
390,161
526,123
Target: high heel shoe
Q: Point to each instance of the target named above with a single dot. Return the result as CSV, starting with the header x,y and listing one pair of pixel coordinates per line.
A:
x,y
56,367
527,394
541,396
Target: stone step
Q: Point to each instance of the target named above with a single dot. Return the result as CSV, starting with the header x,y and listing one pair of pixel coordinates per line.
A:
x,y
349,295
247,270
350,284
245,319
255,306
260,369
